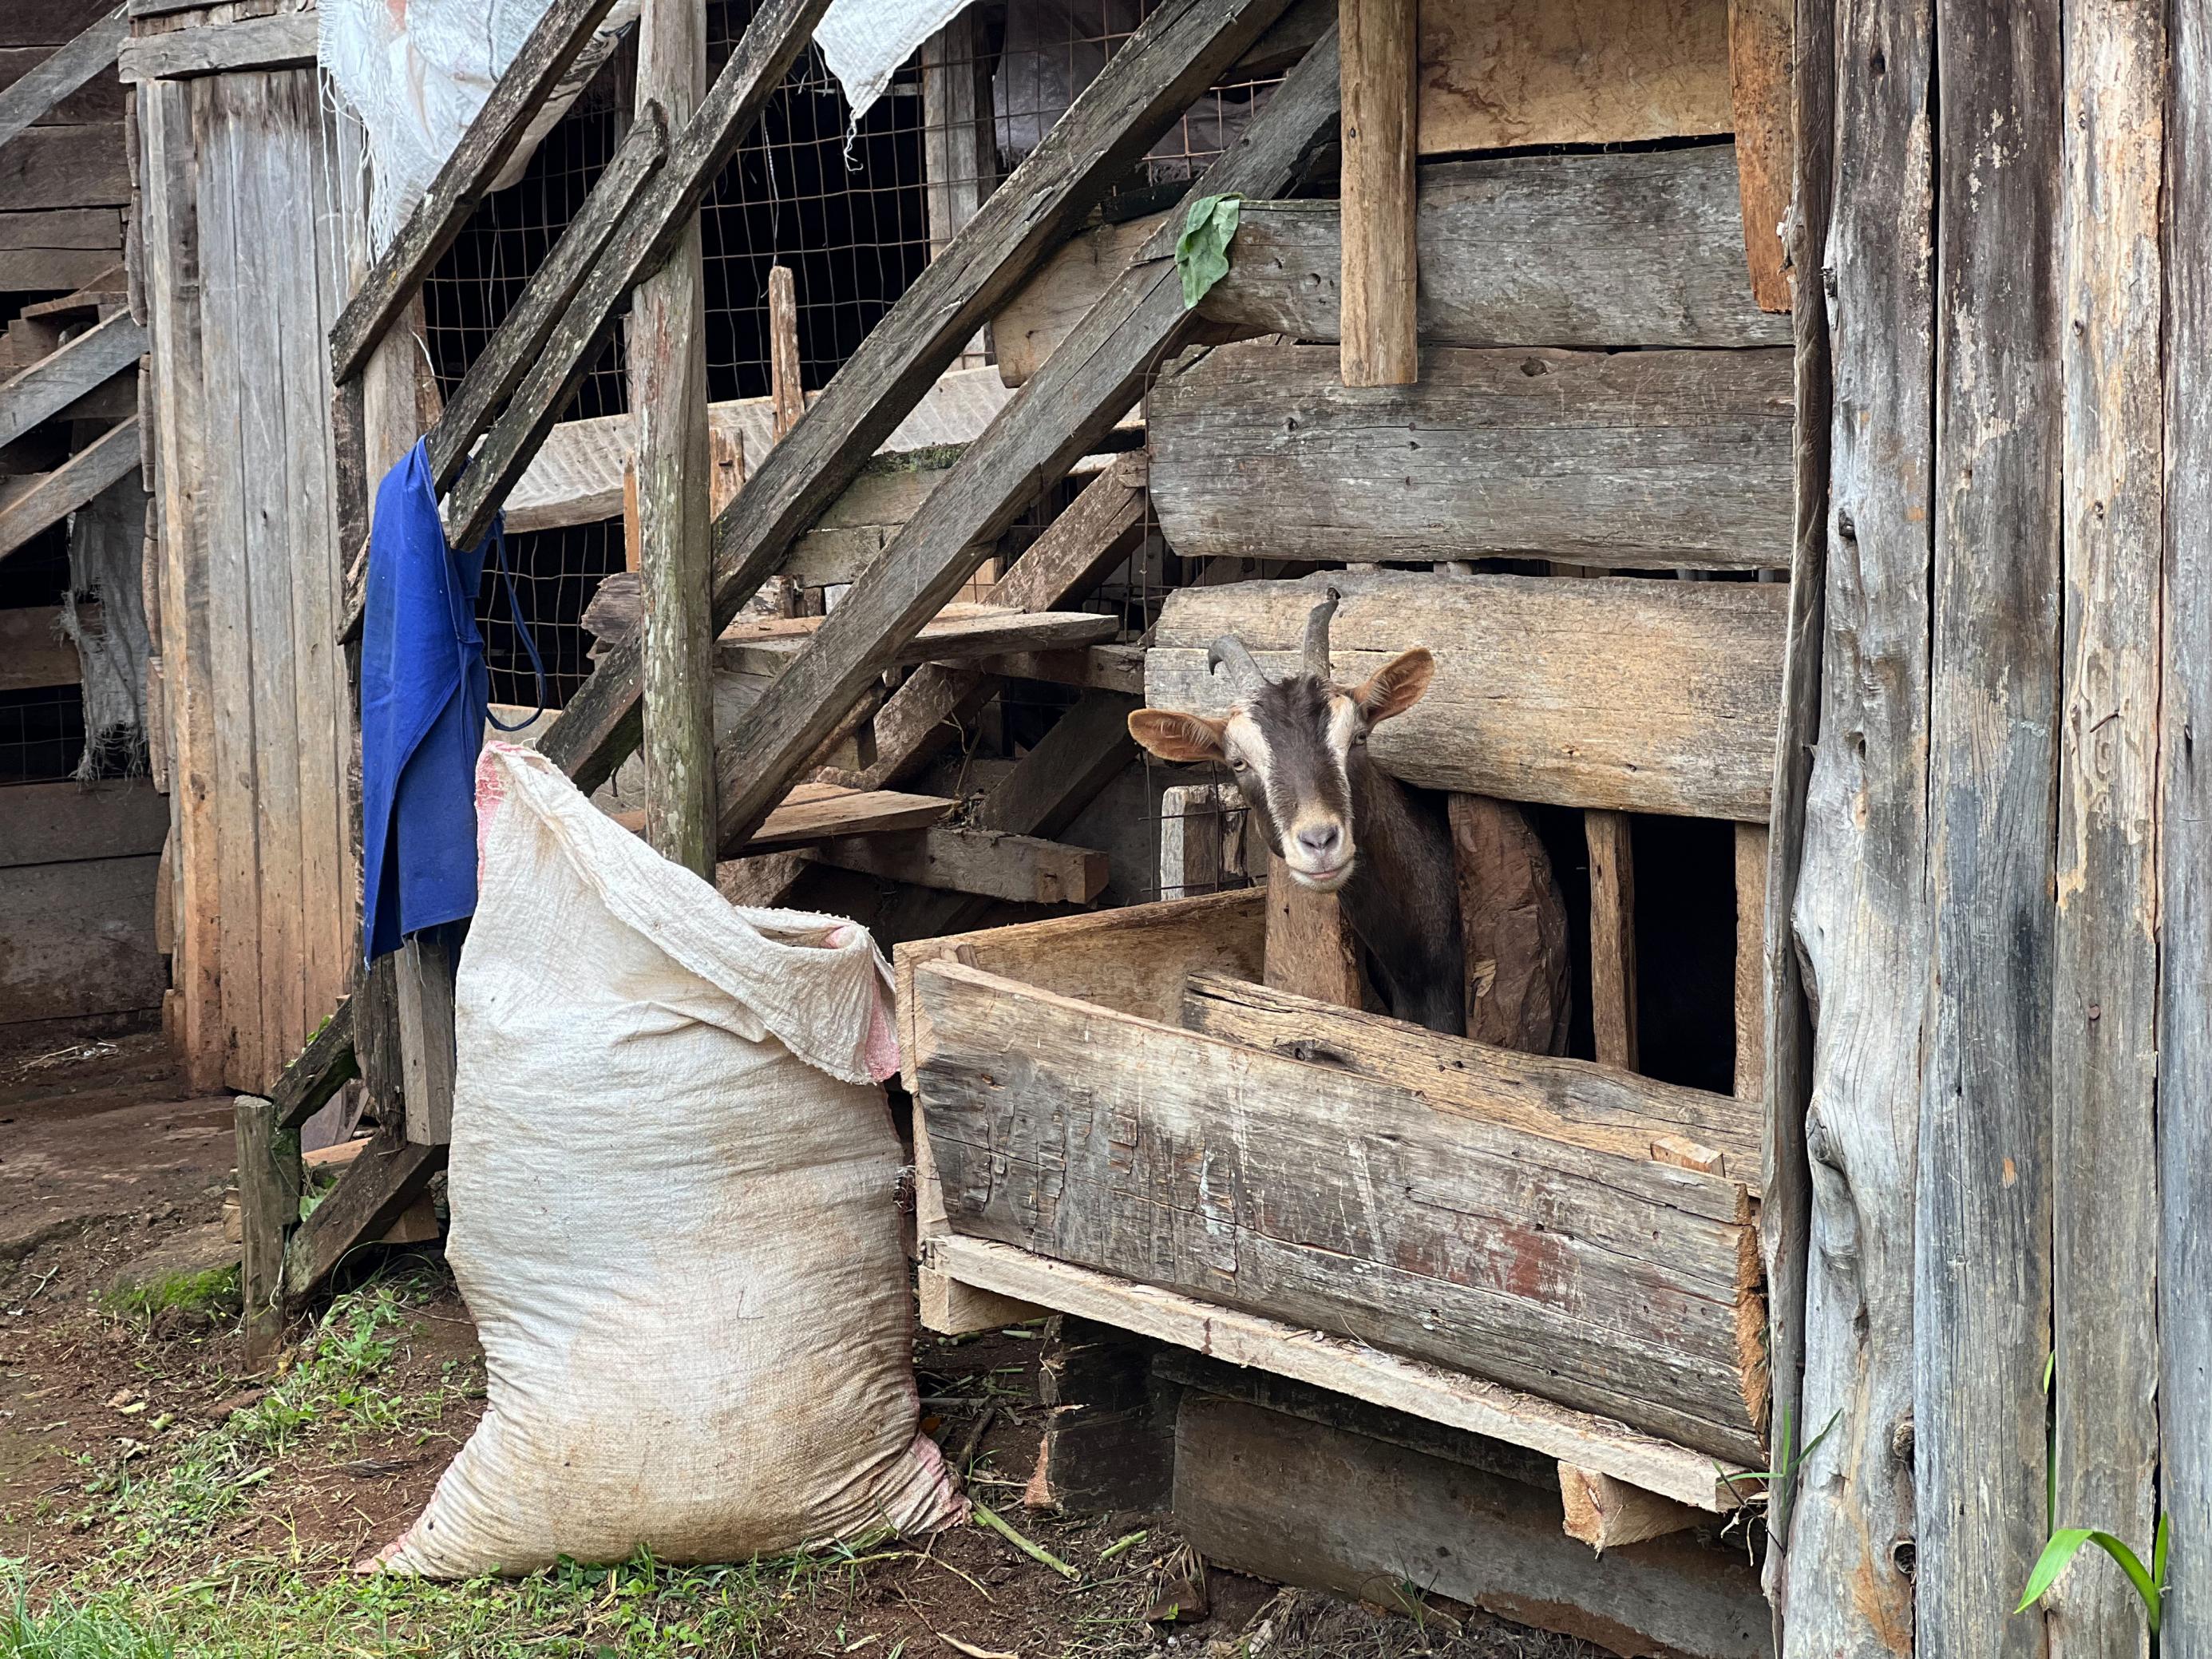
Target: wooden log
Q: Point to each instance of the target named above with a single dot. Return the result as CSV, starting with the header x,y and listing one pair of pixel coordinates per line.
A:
x,y
1020,869
1655,696
1054,419
1606,1513
30,96
377,1189
1330,1508
424,982
1514,923
268,1208
1982,1213
1149,82
1761,93
1311,952
1572,1101
2106,1029
1861,902
50,497
1657,460
1380,345
283,40
1635,1297
468,174
786,393
50,386
1751,1015
1613,937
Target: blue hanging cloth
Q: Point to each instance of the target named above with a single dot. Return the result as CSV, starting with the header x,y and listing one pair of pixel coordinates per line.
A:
x,y
424,697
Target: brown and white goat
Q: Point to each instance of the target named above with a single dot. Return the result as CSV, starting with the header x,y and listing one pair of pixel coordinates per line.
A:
x,y
1297,748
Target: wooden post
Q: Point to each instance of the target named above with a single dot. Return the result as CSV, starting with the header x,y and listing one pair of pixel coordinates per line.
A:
x,y
425,990
1761,93
1751,855
1981,1218
1861,902
959,154
2105,1028
1613,937
786,391
1377,40
675,546
268,1210
1310,949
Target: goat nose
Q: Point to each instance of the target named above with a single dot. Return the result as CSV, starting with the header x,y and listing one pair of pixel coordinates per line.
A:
x,y
1322,840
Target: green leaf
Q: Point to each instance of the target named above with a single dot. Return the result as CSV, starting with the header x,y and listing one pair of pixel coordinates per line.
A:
x,y
1202,252
2063,1547
2067,1542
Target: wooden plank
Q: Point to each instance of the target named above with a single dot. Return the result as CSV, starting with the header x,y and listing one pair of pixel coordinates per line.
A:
x,y
1380,345
959,150
65,168
99,101
282,40
2104,1029
1760,38
377,1189
961,632
1326,1507
50,386
1635,1299
54,496
425,980
32,95
1311,952
469,172
269,1181
672,549
1428,1392
1861,902
1020,869
1637,459
80,940
33,652
1627,694
1751,1015
318,1071
68,822
1054,419
1982,1213
818,811
787,395
1513,923
1597,1106
1180,50
1606,1513
1612,936
1097,668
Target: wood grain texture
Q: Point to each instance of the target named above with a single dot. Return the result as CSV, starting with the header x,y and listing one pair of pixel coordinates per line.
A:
x,y
384,1179
1606,1513
48,498
1514,924
1573,1101
1862,909
1751,860
30,96
1612,937
786,393
2105,1031
1634,1298
1180,49
423,980
269,1182
1982,1218
1020,869
1760,35
962,630
280,41
1650,458
1628,694
50,386
65,168
320,1070
1311,949
1380,345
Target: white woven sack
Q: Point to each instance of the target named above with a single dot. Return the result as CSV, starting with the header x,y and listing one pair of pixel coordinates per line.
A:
x,y
673,1187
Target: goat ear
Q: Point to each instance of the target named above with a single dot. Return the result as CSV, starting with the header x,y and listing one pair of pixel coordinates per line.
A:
x,y
1397,685
1175,737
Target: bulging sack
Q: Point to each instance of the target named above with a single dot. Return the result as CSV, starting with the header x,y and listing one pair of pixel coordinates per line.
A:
x,y
673,1190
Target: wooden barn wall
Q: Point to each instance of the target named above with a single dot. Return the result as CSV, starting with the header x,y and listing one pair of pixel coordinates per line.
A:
x,y
65,183
246,256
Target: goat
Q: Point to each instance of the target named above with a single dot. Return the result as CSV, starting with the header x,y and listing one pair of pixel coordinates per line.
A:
x,y
1297,748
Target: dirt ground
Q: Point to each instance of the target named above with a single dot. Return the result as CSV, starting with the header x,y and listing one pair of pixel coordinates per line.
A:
x,y
156,1502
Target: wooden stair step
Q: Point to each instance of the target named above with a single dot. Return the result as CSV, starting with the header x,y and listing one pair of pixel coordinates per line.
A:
x,y
960,633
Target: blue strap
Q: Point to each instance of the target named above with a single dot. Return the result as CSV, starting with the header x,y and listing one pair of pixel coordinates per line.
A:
x,y
529,645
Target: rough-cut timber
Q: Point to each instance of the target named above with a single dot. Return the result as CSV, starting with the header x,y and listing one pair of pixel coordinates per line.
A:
x,y
1052,422
1612,937
326,1065
30,96
1514,923
1310,1194
51,385
46,499
268,1209
1179,51
1311,951
1021,869
1861,901
469,172
1380,344
1606,1514
387,1175
1982,1216
1760,35
1652,696
2105,1031
283,40
1657,459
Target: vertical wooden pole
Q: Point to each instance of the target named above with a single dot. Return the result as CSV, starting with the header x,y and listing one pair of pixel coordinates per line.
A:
x,y
425,989
1514,923
1760,94
958,151
1613,937
787,393
268,1210
1861,902
1982,1216
1378,40
1750,961
2185,1031
674,559
1309,949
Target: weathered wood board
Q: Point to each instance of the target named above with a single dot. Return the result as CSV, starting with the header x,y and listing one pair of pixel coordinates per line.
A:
x,y
1647,696
1319,1197
79,940
1652,459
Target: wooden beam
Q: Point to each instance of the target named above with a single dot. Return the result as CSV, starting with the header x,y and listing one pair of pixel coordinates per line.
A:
x,y
987,863
50,386
1057,417
1381,345
284,40
436,219
387,1177
424,984
46,499
959,150
1760,38
1628,694
268,1210
648,232
1606,1513
30,95
1094,668
1311,952
787,394
1201,839
1642,459
1178,51
1861,908
1751,854
1612,937
961,632
318,1071
1572,1101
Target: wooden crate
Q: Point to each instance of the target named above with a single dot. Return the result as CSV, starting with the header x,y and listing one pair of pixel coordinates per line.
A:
x,y
1498,1240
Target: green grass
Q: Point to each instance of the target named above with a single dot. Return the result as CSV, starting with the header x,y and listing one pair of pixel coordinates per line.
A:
x,y
213,1290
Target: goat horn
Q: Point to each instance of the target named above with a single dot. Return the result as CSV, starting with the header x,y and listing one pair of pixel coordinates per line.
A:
x,y
1317,635
1244,672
